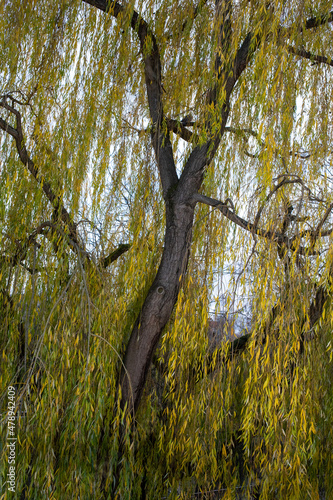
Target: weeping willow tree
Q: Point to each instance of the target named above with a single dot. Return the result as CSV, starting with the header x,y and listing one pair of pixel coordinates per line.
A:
x,y
164,164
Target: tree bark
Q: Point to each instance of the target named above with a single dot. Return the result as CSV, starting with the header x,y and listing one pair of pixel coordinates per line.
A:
x,y
160,300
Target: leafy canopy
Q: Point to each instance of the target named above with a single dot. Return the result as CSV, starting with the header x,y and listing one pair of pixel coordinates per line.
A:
x,y
112,114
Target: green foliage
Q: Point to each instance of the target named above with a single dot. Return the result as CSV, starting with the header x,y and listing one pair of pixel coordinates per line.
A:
x,y
260,419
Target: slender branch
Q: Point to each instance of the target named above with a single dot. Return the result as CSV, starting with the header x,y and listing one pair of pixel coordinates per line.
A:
x,y
21,253
308,55
242,58
17,134
276,236
315,312
106,261
313,22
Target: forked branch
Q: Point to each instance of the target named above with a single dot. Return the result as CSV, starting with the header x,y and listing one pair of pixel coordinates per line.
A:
x,y
276,236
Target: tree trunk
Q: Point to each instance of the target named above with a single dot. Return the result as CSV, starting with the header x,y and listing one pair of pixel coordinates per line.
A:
x,y
160,300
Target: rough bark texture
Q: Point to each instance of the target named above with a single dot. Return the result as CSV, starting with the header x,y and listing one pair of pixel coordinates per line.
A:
x,y
160,300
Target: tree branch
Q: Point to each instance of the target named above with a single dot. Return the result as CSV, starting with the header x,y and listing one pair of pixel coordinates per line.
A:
x,y
324,219
8,128
17,134
178,128
278,237
202,155
187,135
308,55
283,182
315,22
106,261
152,68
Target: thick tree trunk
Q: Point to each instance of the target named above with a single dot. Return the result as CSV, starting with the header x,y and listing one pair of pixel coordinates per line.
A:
x,y
160,300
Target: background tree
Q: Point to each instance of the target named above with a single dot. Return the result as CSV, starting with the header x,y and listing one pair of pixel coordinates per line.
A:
x,y
154,158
